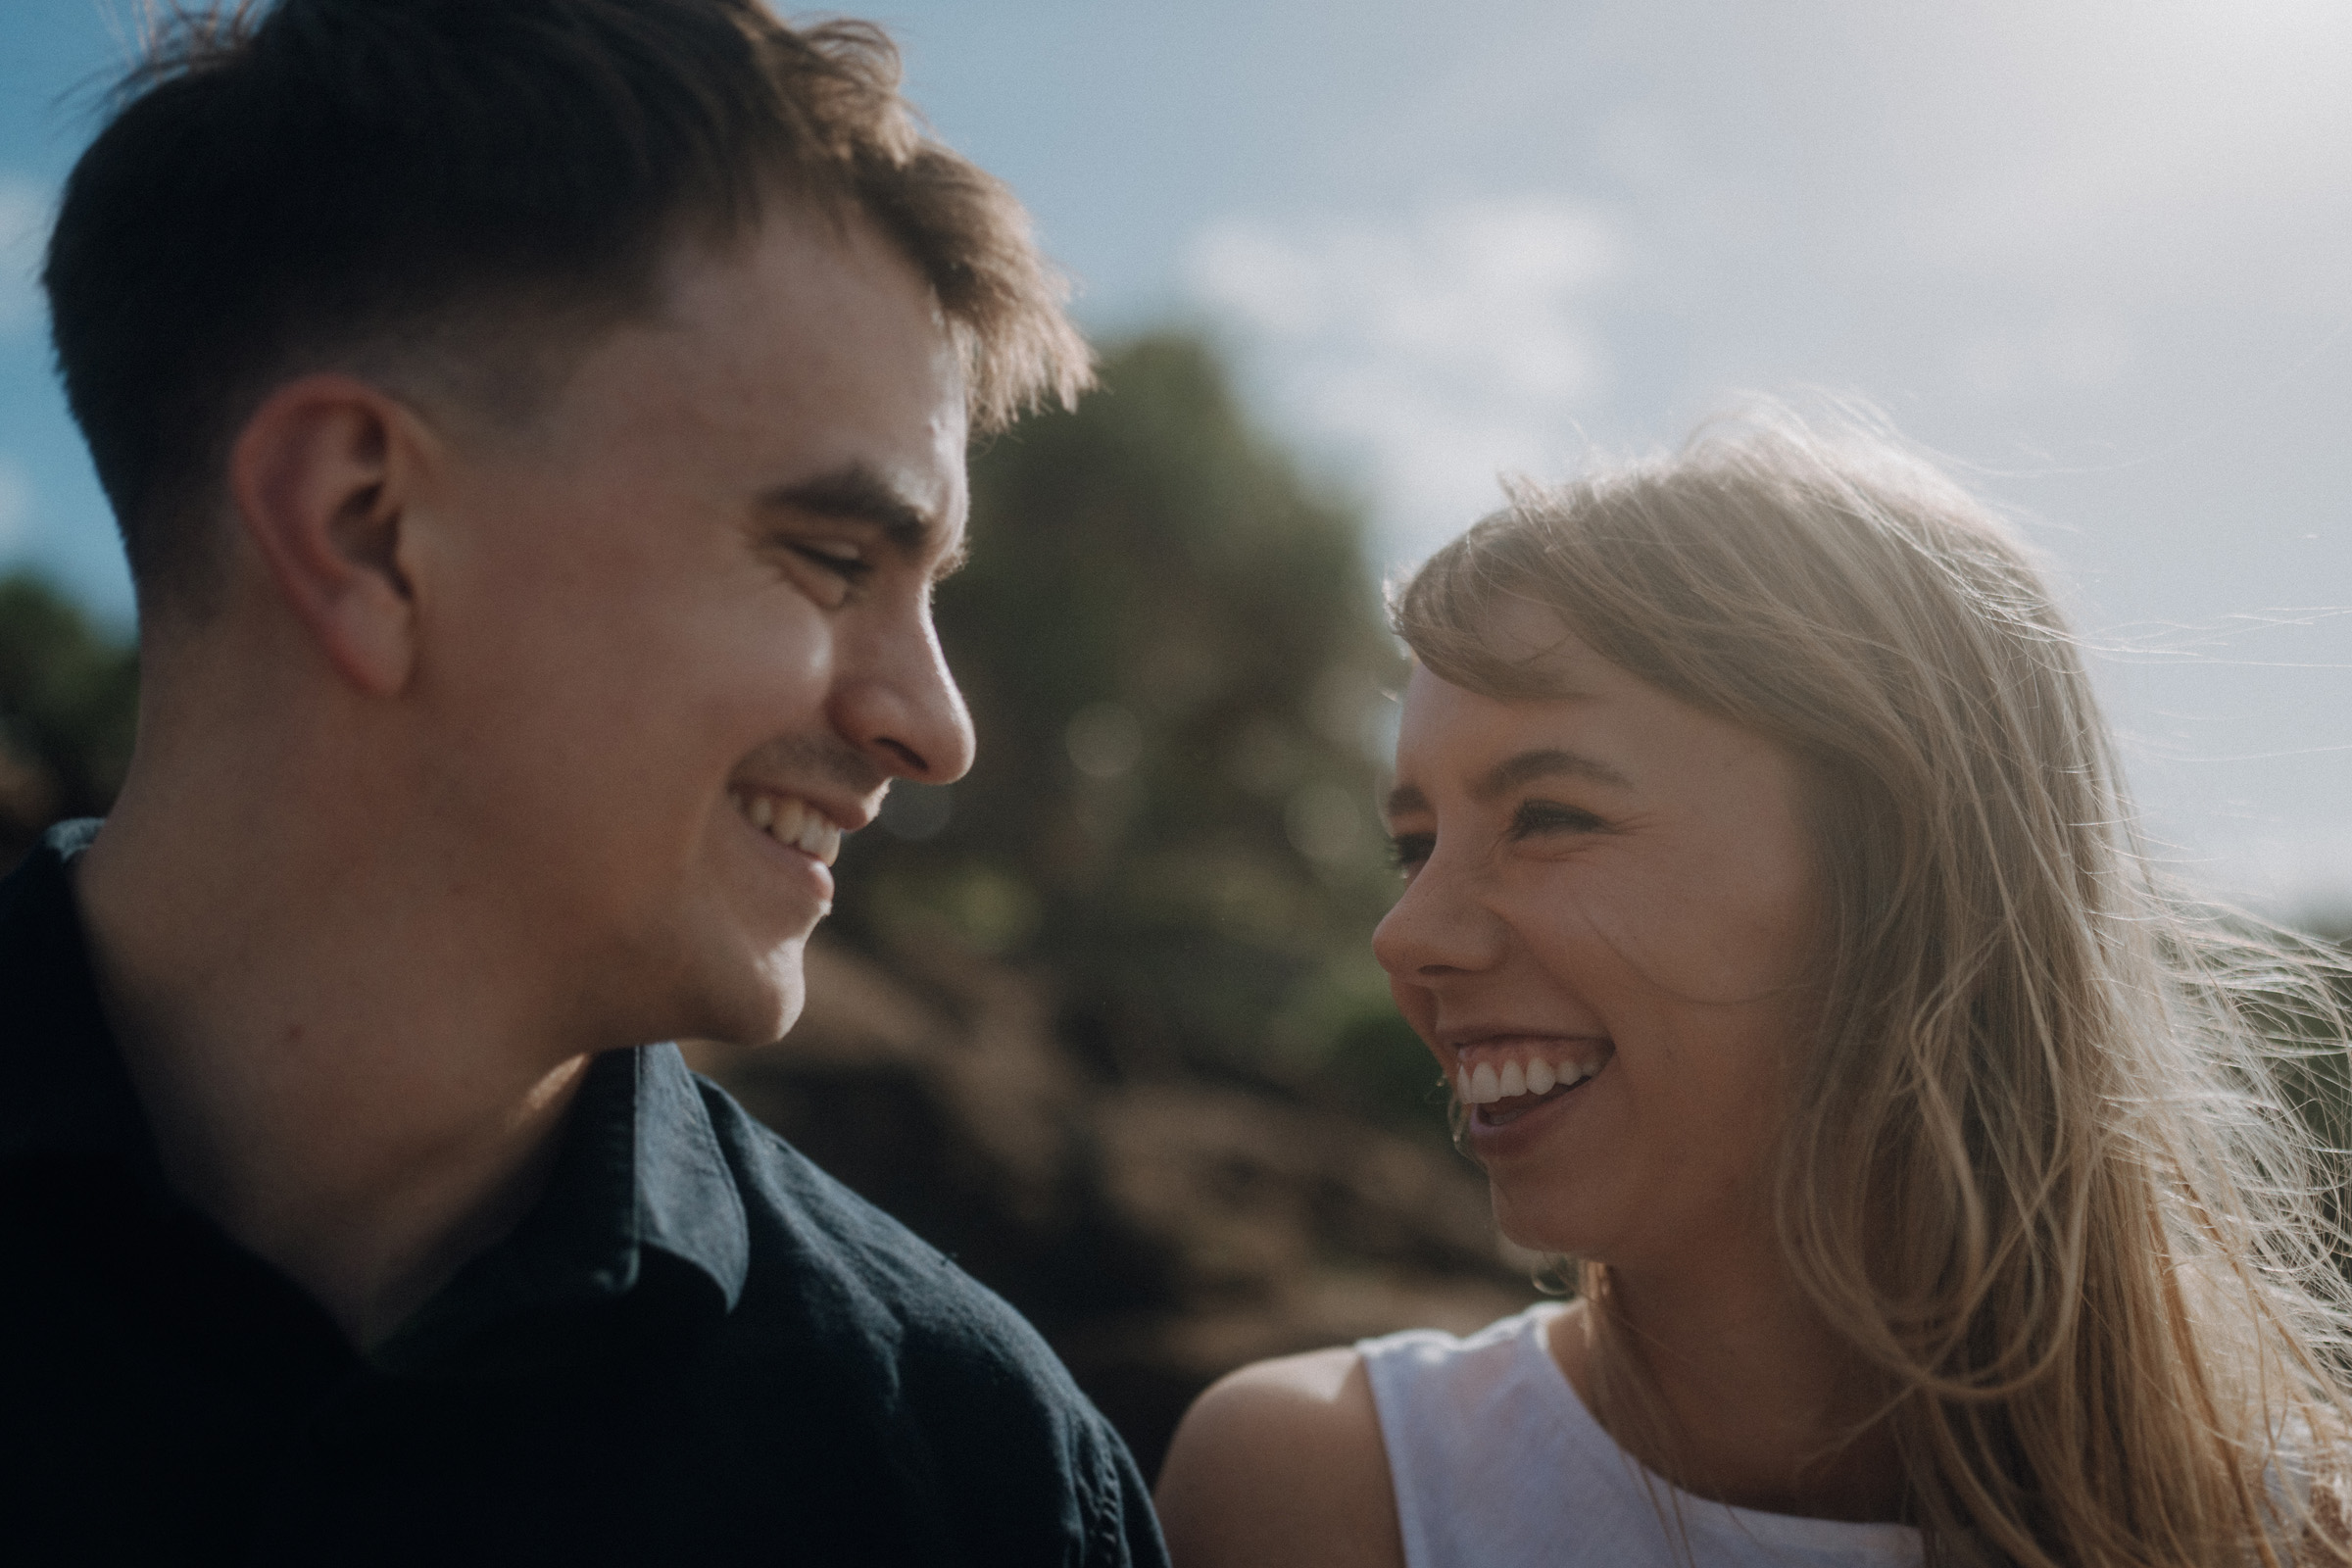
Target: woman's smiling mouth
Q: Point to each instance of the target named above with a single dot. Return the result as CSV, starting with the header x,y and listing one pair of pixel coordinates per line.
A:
x,y
1502,1080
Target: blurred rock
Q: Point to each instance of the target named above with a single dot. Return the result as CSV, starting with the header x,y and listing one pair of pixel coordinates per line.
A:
x,y
1158,1233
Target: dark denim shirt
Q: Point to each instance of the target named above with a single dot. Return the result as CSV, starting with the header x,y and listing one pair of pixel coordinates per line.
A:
x,y
696,1348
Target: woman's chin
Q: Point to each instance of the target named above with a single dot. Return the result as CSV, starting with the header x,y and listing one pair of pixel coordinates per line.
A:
x,y
1534,1226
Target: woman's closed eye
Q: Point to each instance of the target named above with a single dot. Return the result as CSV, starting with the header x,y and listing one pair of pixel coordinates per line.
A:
x,y
1537,820
1408,851
1533,820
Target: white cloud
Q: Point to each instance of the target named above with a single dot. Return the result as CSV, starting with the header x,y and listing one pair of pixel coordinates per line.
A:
x,y
16,504
2176,149
2285,869
1441,348
23,232
2068,355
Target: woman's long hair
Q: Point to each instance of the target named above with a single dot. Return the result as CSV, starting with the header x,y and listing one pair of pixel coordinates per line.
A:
x,y
2055,1164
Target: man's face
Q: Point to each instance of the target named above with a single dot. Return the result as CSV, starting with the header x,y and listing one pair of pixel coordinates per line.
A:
x,y
685,616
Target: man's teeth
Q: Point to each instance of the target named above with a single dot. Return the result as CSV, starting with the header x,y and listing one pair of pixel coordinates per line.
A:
x,y
1485,1084
792,821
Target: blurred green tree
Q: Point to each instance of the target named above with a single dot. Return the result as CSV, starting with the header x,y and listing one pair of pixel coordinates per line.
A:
x,y
1176,660
69,704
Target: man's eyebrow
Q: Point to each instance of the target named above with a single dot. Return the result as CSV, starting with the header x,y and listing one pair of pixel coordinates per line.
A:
x,y
856,493
1549,762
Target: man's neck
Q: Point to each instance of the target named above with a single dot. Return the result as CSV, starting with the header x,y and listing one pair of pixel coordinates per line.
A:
x,y
340,1074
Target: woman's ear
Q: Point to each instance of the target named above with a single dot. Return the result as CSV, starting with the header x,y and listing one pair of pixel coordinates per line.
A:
x,y
321,475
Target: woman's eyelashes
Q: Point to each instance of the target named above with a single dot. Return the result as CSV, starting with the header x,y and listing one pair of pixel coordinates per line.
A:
x,y
1530,819
1406,851
1544,818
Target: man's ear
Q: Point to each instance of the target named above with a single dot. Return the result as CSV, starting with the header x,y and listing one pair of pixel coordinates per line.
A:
x,y
319,476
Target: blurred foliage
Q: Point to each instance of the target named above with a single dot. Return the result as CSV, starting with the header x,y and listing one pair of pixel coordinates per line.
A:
x,y
1176,661
1174,652
69,704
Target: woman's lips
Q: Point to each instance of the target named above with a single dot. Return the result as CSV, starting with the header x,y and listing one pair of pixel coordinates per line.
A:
x,y
1514,1087
1497,1070
1504,1112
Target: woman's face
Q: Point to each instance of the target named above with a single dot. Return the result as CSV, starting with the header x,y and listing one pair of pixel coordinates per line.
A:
x,y
1610,907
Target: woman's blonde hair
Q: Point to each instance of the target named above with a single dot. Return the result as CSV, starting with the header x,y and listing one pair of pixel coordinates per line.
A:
x,y
2051,1165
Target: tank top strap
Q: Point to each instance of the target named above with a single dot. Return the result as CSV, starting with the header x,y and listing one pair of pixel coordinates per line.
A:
x,y
1496,1463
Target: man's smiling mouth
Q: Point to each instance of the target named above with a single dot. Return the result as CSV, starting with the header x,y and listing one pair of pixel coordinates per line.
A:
x,y
791,821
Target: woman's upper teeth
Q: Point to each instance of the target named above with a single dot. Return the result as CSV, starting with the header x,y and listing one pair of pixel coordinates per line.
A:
x,y
791,820
1525,1073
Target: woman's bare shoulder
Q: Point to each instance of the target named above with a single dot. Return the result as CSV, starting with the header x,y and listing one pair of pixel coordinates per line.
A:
x,y
1281,1463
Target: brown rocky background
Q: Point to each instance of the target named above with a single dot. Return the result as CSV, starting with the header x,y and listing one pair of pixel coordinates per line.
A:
x,y
1157,1231
1098,1019
1101,1019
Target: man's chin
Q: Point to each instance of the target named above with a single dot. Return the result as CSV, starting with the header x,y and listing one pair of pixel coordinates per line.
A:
x,y
788,1012
760,1007
785,993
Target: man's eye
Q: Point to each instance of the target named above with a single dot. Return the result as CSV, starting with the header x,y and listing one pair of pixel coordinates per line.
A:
x,y
1409,851
843,560
1541,819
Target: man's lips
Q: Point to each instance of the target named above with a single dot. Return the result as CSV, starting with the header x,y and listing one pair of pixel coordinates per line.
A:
x,y
791,821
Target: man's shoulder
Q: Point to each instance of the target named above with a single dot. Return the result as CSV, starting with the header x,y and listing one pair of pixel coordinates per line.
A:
x,y
37,908
861,1282
977,1408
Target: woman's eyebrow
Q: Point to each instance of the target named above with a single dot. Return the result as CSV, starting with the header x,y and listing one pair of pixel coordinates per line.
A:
x,y
1513,771
1548,763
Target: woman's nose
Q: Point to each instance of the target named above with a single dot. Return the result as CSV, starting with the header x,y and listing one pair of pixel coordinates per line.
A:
x,y
1437,926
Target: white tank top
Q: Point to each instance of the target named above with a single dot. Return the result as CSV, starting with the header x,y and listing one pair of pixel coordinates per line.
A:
x,y
1497,1464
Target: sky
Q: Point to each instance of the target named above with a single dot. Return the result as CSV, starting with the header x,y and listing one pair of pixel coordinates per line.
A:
x,y
2094,254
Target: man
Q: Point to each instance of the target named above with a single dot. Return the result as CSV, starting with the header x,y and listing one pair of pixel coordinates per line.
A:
x,y
536,426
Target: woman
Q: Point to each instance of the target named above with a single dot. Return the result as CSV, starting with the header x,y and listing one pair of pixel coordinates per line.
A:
x,y
1774,909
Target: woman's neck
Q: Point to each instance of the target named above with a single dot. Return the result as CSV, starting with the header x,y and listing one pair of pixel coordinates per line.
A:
x,y
1735,1390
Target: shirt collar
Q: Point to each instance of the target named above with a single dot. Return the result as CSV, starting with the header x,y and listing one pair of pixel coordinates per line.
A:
x,y
63,1088
639,1172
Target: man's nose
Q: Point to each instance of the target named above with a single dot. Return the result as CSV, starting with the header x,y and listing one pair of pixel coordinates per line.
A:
x,y
895,700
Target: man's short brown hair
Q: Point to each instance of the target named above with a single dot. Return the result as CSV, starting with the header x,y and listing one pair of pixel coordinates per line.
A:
x,y
388,186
